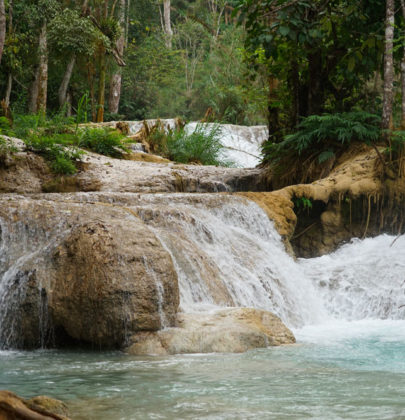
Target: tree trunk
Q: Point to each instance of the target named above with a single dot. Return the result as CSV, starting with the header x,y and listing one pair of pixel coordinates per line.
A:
x,y
273,111
32,105
101,86
115,84
8,90
403,75
388,66
168,25
62,92
294,81
90,80
3,27
43,71
315,91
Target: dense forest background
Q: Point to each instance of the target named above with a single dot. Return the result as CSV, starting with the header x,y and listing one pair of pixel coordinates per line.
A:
x,y
141,58
235,61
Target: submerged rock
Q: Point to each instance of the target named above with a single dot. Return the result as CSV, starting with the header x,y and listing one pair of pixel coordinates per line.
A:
x,y
231,330
13,407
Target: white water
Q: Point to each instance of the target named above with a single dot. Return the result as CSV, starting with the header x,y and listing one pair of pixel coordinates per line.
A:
x,y
229,254
363,279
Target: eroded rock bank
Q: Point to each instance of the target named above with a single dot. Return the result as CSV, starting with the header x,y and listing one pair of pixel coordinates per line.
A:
x,y
359,198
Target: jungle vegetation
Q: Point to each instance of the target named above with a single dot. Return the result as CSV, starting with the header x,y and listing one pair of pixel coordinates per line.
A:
x,y
296,65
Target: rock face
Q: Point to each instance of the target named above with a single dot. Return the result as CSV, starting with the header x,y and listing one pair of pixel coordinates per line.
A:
x,y
91,273
13,407
29,173
231,330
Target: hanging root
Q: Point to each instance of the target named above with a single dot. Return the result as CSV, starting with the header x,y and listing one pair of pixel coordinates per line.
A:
x,y
368,216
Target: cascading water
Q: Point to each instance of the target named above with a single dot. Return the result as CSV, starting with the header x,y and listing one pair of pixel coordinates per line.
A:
x,y
363,279
227,253
22,246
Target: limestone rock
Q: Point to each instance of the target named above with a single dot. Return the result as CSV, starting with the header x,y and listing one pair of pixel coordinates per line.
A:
x,y
13,407
231,330
93,273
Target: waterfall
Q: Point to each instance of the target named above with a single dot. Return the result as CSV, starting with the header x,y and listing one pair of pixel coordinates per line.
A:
x,y
23,243
226,253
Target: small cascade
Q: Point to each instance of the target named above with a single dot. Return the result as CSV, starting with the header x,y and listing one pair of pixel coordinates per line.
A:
x,y
22,247
227,253
159,292
362,279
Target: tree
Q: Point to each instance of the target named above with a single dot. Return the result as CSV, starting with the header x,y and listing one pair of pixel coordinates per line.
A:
x,y
403,71
3,24
314,62
116,78
167,23
388,96
72,35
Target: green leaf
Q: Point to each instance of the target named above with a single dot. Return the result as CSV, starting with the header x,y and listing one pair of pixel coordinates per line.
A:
x,y
351,63
284,30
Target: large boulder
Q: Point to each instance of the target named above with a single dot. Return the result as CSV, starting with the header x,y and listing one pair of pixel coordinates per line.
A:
x,y
83,272
231,330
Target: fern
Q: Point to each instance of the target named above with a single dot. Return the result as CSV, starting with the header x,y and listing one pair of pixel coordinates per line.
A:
x,y
319,138
320,132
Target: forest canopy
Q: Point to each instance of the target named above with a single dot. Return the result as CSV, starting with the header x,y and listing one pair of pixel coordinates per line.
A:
x,y
234,61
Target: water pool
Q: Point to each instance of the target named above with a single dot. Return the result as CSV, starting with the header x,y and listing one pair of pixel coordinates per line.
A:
x,y
342,370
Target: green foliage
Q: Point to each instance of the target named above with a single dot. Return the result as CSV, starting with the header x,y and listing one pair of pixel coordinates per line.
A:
x,y
202,146
104,141
302,203
61,158
309,48
5,127
81,112
323,135
70,33
397,142
63,165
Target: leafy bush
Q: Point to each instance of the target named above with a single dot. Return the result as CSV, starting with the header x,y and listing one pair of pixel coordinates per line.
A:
x,y
5,126
62,158
202,146
103,141
27,125
326,133
63,165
